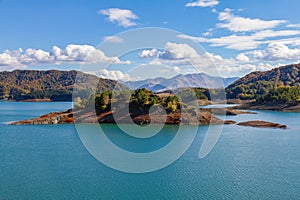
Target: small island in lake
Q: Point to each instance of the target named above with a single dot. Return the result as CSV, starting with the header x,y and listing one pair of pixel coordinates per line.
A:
x,y
262,124
166,109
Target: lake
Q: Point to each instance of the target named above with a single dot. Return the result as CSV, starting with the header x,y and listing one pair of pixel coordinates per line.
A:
x,y
50,161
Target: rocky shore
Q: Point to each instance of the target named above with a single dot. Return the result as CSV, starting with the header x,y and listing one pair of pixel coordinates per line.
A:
x,y
65,117
203,117
200,118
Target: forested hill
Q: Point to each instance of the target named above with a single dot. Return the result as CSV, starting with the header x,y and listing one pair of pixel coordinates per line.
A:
x,y
278,84
54,85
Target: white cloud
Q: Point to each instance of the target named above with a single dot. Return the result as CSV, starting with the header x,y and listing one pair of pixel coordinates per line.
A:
x,y
121,17
175,54
236,42
149,53
112,74
242,24
277,52
203,3
114,39
8,60
243,69
270,33
33,56
258,67
244,42
214,10
207,34
186,57
242,58
81,54
295,41
178,51
293,26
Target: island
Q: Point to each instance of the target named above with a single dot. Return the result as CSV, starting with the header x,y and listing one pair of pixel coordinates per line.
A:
x,y
166,109
262,124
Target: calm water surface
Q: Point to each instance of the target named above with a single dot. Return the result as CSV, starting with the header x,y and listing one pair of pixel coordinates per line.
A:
x,y
50,162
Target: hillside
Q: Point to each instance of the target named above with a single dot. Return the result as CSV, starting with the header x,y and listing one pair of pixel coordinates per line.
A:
x,y
277,85
53,85
201,80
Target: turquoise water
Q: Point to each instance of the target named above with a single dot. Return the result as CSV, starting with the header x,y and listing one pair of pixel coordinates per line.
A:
x,y
50,162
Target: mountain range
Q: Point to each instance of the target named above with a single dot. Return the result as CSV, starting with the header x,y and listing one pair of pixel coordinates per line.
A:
x,y
200,80
58,85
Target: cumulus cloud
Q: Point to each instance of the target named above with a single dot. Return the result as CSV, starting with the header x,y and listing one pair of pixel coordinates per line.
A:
x,y
149,53
183,55
173,53
243,69
176,54
203,3
7,60
71,54
121,17
113,74
277,52
242,58
241,24
83,54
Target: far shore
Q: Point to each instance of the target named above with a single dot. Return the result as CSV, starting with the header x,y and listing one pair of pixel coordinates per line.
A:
x,y
281,107
241,104
36,100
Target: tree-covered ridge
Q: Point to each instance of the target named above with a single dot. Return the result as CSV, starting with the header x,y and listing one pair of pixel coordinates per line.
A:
x,y
286,75
277,85
53,84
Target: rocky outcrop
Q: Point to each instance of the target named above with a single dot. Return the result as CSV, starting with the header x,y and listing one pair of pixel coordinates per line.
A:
x,y
65,117
262,124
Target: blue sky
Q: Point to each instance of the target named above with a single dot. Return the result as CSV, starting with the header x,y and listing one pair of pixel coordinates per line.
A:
x,y
239,36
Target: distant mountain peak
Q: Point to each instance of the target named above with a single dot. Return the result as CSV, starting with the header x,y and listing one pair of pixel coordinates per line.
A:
x,y
200,80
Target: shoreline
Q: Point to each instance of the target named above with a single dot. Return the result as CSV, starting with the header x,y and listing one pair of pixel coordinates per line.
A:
x,y
204,117
279,107
36,100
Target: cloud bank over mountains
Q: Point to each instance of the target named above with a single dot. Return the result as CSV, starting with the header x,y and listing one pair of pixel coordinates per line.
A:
x,y
78,54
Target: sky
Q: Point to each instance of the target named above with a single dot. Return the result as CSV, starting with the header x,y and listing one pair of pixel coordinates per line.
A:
x,y
218,37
